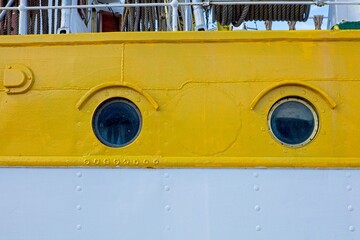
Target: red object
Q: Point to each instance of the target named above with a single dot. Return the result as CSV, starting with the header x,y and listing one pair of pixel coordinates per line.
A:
x,y
109,22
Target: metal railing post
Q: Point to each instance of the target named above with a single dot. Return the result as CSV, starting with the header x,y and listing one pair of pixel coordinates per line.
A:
x,y
187,20
200,24
174,5
23,21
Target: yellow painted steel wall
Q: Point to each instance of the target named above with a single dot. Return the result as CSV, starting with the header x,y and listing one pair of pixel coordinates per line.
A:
x,y
204,97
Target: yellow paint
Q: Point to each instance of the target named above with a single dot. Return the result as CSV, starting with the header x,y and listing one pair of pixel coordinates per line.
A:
x,y
17,79
195,91
115,85
286,83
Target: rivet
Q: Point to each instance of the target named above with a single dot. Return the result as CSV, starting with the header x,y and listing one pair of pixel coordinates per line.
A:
x,y
96,161
256,175
167,188
106,161
78,227
29,77
9,67
87,162
136,162
350,208
117,162
262,129
78,207
257,208
126,162
258,228
348,187
156,162
166,175
79,174
352,229
146,162
256,188
323,110
167,208
79,188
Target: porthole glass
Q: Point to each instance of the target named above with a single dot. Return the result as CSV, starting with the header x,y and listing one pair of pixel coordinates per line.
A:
x,y
293,122
116,122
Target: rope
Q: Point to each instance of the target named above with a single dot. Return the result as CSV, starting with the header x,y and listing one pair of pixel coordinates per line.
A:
x,y
292,25
38,19
236,14
318,19
268,25
2,23
16,20
143,18
58,23
242,16
8,22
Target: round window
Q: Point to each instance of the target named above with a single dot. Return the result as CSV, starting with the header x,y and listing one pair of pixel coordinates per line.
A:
x,y
293,122
116,122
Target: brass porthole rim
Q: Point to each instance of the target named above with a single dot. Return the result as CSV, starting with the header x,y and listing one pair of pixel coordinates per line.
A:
x,y
312,110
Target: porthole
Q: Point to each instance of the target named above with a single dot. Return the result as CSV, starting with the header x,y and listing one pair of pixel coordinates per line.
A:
x,y
293,122
117,122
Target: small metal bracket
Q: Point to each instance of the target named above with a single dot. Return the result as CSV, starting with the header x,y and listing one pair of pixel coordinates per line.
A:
x,y
63,30
17,78
320,3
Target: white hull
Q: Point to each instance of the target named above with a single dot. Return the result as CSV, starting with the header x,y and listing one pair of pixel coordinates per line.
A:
x,y
39,203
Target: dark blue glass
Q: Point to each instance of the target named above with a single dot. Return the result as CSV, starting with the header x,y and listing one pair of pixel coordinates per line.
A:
x,y
292,122
116,122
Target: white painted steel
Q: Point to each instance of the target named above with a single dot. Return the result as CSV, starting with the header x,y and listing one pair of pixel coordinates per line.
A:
x,y
199,16
23,21
339,14
175,14
65,15
3,13
187,17
107,204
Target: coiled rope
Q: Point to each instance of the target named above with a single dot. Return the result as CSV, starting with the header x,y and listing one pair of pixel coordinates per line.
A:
x,y
144,18
237,14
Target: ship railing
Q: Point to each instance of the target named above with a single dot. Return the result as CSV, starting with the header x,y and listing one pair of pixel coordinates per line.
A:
x,y
172,11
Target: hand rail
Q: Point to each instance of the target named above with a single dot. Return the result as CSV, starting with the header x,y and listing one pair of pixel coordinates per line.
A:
x,y
174,4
